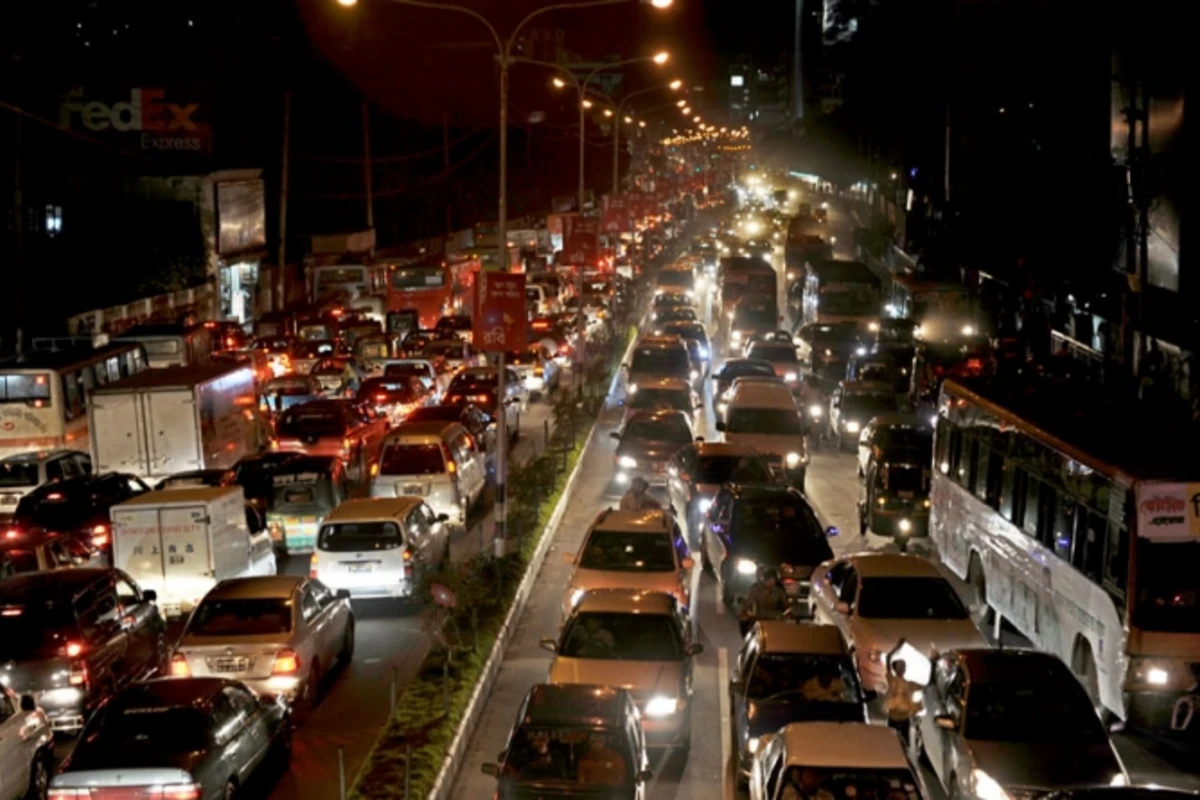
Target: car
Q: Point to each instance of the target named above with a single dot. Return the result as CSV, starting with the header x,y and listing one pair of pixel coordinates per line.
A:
x,y
664,301
894,500
692,332
751,315
478,422
757,247
22,473
26,747
350,430
280,635
854,404
827,346
337,376
634,550
435,373
667,316
698,471
307,353
788,673
782,358
576,735
879,599
42,551
738,367
177,738
78,507
281,392
484,379
537,369
1012,723
458,324
826,759
755,525
73,637
456,352
434,460
765,416
635,639
888,433
646,444
396,397
665,394
657,357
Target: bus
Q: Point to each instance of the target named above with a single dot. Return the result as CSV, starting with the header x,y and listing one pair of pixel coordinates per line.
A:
x,y
742,276
172,344
944,311
839,291
44,393
1078,522
352,280
434,289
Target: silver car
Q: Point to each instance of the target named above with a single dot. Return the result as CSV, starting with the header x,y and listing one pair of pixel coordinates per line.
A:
x,y
278,634
26,747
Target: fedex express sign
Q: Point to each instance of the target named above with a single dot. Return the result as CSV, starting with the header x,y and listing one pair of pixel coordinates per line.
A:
x,y
160,123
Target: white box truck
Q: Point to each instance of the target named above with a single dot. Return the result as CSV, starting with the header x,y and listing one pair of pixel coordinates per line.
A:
x,y
163,421
181,542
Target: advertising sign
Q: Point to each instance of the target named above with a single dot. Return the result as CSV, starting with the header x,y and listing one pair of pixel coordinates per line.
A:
x,y
241,217
581,245
153,121
499,323
1168,512
615,217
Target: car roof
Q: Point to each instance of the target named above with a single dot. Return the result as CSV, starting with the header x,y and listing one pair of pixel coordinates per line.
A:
x,y
264,586
575,704
665,383
425,427
58,585
772,393
894,565
1012,666
37,456
651,520
171,692
709,449
779,636
381,508
760,363
626,601
843,744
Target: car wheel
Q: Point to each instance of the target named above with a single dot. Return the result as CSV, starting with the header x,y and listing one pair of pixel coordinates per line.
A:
x,y
39,777
347,653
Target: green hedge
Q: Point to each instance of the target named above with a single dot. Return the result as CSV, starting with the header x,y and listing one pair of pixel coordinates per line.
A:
x,y
484,589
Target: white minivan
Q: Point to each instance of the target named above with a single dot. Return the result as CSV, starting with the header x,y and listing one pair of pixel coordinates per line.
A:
x,y
20,474
765,416
436,461
378,547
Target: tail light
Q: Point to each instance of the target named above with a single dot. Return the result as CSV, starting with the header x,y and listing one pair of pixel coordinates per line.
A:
x,y
100,537
312,566
274,444
451,467
73,649
169,791
347,445
77,673
287,662
408,565
180,667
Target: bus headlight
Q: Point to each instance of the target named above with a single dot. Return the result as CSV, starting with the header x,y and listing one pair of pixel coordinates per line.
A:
x,y
626,462
1156,672
905,526
631,388
704,505
737,336
791,377
985,787
746,567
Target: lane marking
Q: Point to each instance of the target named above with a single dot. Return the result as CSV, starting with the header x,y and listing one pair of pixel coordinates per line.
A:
x,y
723,698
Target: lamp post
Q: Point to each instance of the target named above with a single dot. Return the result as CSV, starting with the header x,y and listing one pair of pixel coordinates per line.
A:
x,y
674,86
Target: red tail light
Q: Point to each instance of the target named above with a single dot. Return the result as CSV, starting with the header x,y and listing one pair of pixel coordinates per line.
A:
x,y
451,467
180,667
408,565
73,649
100,536
287,662
312,566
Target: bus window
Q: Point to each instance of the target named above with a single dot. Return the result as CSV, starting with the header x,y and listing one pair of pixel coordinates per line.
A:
x,y
24,388
1117,564
1089,544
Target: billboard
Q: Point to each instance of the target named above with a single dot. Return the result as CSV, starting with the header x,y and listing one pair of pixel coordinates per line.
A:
x,y
241,217
153,121
499,321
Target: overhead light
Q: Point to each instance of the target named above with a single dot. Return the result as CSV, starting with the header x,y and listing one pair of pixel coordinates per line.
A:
x,y
661,57
675,84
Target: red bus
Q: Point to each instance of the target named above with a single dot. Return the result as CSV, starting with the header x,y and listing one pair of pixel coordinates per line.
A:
x,y
433,289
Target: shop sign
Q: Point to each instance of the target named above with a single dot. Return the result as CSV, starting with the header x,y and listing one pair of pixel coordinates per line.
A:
x,y
151,120
241,217
1168,511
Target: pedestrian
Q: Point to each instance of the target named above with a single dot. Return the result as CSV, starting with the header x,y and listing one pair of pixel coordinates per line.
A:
x,y
903,699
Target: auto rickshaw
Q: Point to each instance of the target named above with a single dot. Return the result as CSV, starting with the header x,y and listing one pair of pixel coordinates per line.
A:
x,y
353,330
281,393
337,376
373,350
894,499
304,491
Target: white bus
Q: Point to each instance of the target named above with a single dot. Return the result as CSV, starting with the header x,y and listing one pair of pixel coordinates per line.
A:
x,y
1075,525
44,393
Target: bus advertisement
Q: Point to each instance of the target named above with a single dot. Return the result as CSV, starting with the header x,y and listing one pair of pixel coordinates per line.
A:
x,y
1069,524
433,289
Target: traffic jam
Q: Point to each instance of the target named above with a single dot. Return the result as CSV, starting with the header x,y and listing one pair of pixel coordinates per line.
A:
x,y
830,540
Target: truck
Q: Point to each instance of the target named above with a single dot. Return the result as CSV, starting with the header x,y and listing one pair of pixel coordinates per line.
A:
x,y
163,421
182,542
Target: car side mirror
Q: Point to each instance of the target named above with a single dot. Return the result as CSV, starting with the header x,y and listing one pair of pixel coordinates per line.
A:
x,y
689,562
343,594
614,435
28,703
644,776
720,427
490,769
442,518
149,595
945,722
841,607
549,644
831,531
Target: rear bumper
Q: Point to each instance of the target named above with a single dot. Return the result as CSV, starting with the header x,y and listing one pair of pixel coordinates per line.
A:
x,y
623,477
380,589
65,708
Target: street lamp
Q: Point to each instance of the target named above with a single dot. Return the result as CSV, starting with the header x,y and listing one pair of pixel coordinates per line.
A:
x,y
675,85
608,112
681,103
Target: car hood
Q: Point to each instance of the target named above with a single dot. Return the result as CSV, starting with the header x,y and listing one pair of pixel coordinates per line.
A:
x,y
643,679
1046,765
926,635
770,715
588,579
653,450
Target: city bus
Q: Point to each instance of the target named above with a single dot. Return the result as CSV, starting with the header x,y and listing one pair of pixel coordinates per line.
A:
x,y
352,280
839,291
44,393
434,289
1079,524
944,311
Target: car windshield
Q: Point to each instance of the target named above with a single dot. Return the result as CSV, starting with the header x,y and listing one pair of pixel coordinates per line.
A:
x,y
623,637
252,616
665,429
135,736
779,421
774,352
14,474
1168,590
22,560
302,489
739,469
348,537
1054,709
35,630
804,676
301,421
544,755
841,783
412,459
869,402
832,334
405,370
629,552
673,399
679,314
904,438
671,299
738,369
909,598
780,530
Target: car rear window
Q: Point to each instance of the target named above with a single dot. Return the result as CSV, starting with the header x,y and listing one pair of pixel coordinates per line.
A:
x,y
629,552
661,360
22,560
345,537
18,475
412,459
241,617
302,422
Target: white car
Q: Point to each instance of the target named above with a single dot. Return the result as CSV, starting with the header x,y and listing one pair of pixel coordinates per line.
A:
x,y
26,747
878,599
20,474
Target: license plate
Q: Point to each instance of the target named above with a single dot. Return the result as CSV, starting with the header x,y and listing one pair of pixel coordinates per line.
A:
x,y
414,488
240,664
360,567
906,495
9,500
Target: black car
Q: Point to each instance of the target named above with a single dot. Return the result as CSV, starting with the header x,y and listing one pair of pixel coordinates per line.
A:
x,y
478,422
827,346
752,526
73,637
739,368
179,737
78,507
789,673
698,471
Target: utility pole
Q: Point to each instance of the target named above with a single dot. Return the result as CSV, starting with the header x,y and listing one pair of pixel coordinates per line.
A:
x,y
18,219
281,268
446,171
366,126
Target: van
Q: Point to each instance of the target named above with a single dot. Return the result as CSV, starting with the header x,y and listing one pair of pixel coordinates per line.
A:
x,y
657,357
438,462
765,416
20,474
379,547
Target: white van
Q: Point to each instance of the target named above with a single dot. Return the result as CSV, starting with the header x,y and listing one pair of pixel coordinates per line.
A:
x,y
379,547
765,416
435,461
20,474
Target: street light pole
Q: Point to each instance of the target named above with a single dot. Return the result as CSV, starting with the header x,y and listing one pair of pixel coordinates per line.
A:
x,y
616,177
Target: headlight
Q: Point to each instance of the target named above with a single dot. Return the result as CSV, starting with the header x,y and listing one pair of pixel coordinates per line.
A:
x,y
625,462
694,374
631,388
661,706
919,332
984,786
791,377
926,502
1156,672
1119,779
704,352
815,410
828,352
905,526
576,596
968,330
752,744
860,351
704,505
873,326
853,427
792,460
746,567
737,336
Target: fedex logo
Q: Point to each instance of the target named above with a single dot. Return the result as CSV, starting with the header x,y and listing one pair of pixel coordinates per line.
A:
x,y
145,111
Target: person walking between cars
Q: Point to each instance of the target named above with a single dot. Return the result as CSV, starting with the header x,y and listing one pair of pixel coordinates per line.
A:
x,y
902,701
638,497
765,600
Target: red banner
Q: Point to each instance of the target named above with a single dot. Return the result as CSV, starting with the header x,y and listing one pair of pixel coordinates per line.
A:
x,y
615,218
580,244
499,323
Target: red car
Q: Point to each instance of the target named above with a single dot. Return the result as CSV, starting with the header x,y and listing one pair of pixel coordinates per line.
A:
x,y
347,429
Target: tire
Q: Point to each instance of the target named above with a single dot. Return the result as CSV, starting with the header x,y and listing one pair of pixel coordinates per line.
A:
x,y
347,652
39,776
310,696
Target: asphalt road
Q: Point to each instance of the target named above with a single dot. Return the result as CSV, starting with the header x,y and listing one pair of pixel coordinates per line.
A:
x,y
707,772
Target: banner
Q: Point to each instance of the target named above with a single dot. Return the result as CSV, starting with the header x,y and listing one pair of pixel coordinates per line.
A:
x,y
1168,511
153,121
499,323
615,217
580,240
